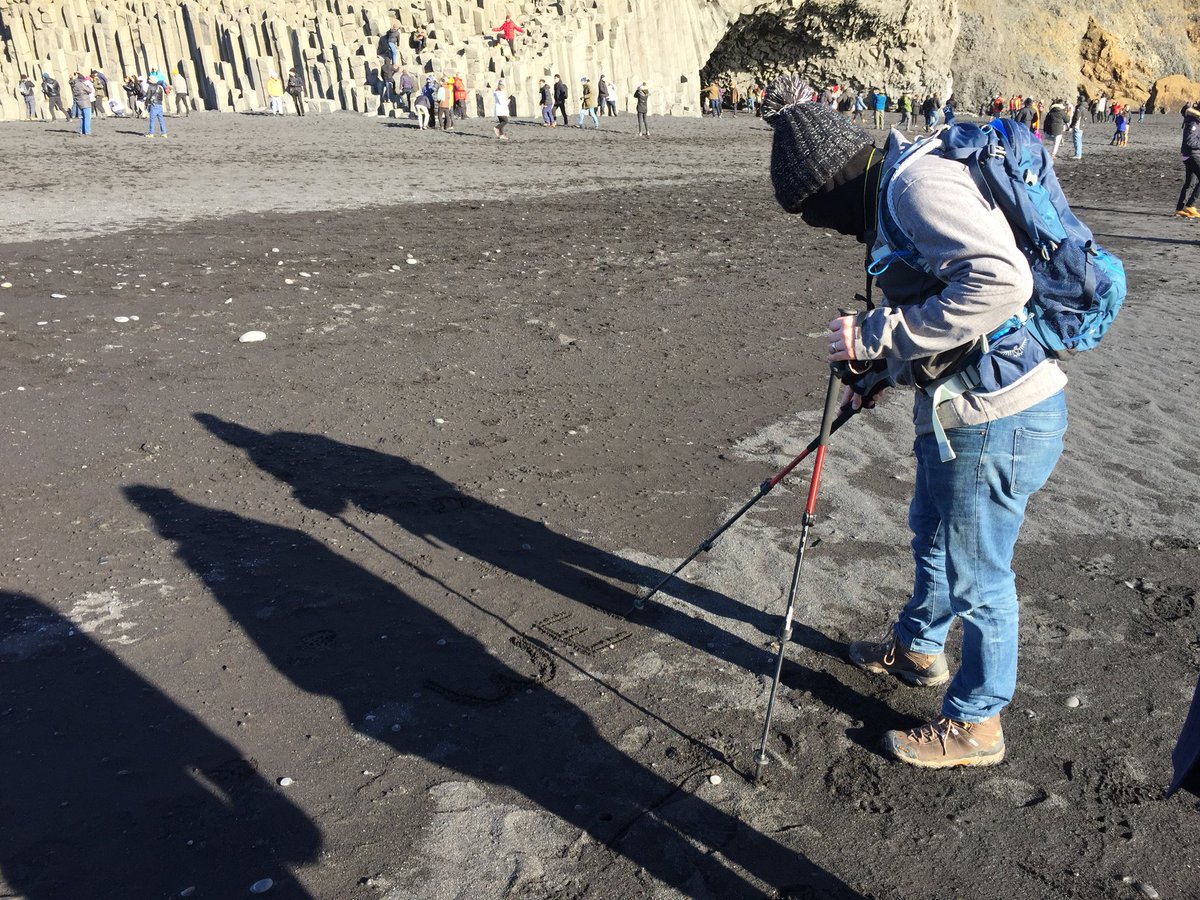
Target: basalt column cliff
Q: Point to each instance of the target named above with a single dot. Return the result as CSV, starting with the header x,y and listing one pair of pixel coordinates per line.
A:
x,y
227,48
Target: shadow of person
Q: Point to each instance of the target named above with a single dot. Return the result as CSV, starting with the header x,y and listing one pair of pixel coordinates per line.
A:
x,y
432,692
329,476
111,790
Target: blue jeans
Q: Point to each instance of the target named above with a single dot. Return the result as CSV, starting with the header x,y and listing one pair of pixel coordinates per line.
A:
x,y
85,120
395,51
1077,135
156,115
965,517
589,111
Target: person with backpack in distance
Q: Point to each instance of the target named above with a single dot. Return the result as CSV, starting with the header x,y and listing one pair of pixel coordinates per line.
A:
x,y
1190,154
155,99
560,100
960,310
53,94
546,103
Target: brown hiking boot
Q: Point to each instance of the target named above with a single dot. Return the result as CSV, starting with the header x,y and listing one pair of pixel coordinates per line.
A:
x,y
889,657
947,742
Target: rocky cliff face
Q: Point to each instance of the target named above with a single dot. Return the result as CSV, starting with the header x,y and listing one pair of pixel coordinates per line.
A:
x,y
226,48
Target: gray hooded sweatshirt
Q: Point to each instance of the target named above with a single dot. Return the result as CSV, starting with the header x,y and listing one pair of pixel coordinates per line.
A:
x,y
980,280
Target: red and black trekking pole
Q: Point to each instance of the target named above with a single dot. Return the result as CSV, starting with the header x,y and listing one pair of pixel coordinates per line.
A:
x,y
763,489
814,485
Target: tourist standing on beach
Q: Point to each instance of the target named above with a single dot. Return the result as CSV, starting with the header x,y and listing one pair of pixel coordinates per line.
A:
x,y
1027,115
179,88
155,96
1056,125
275,94
587,106
136,95
445,103
641,96
84,94
905,106
712,94
100,91
601,95
1077,126
966,511
880,107
1190,152
610,98
295,89
500,103
53,94
423,106
405,86
560,100
460,97
28,91
546,103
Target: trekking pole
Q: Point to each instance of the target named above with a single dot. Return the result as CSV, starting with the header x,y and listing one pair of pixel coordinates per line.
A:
x,y
814,485
763,489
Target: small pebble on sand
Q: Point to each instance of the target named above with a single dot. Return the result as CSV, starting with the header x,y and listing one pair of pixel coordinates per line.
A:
x,y
286,782
262,886
59,296
439,421
251,337
121,319
714,779
6,284
1072,702
1146,890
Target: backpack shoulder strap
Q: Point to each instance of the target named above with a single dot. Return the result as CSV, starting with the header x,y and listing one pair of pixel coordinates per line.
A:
x,y
891,242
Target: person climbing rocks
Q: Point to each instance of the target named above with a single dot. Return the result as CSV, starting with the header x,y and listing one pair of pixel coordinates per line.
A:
x,y
508,29
420,39
966,512
393,43
387,83
1189,151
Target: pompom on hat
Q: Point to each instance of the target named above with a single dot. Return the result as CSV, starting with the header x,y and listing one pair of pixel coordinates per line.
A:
x,y
812,142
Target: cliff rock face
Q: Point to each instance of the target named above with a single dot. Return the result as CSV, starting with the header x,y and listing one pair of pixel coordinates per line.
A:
x,y
905,46
226,48
1054,47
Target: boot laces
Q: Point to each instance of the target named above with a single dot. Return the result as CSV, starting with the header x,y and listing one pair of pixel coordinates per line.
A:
x,y
940,730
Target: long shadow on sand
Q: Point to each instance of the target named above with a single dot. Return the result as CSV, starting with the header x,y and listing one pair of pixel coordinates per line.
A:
x,y
480,718
112,791
330,476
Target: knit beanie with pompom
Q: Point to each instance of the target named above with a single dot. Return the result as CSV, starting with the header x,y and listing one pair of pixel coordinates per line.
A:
x,y
812,142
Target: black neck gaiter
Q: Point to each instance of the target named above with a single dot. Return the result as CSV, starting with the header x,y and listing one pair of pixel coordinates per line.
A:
x,y
846,203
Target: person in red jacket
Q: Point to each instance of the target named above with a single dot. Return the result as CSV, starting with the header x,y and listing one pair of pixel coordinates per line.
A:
x,y
509,30
460,98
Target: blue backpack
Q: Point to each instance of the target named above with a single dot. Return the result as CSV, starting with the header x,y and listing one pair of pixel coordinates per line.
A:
x,y
1078,286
